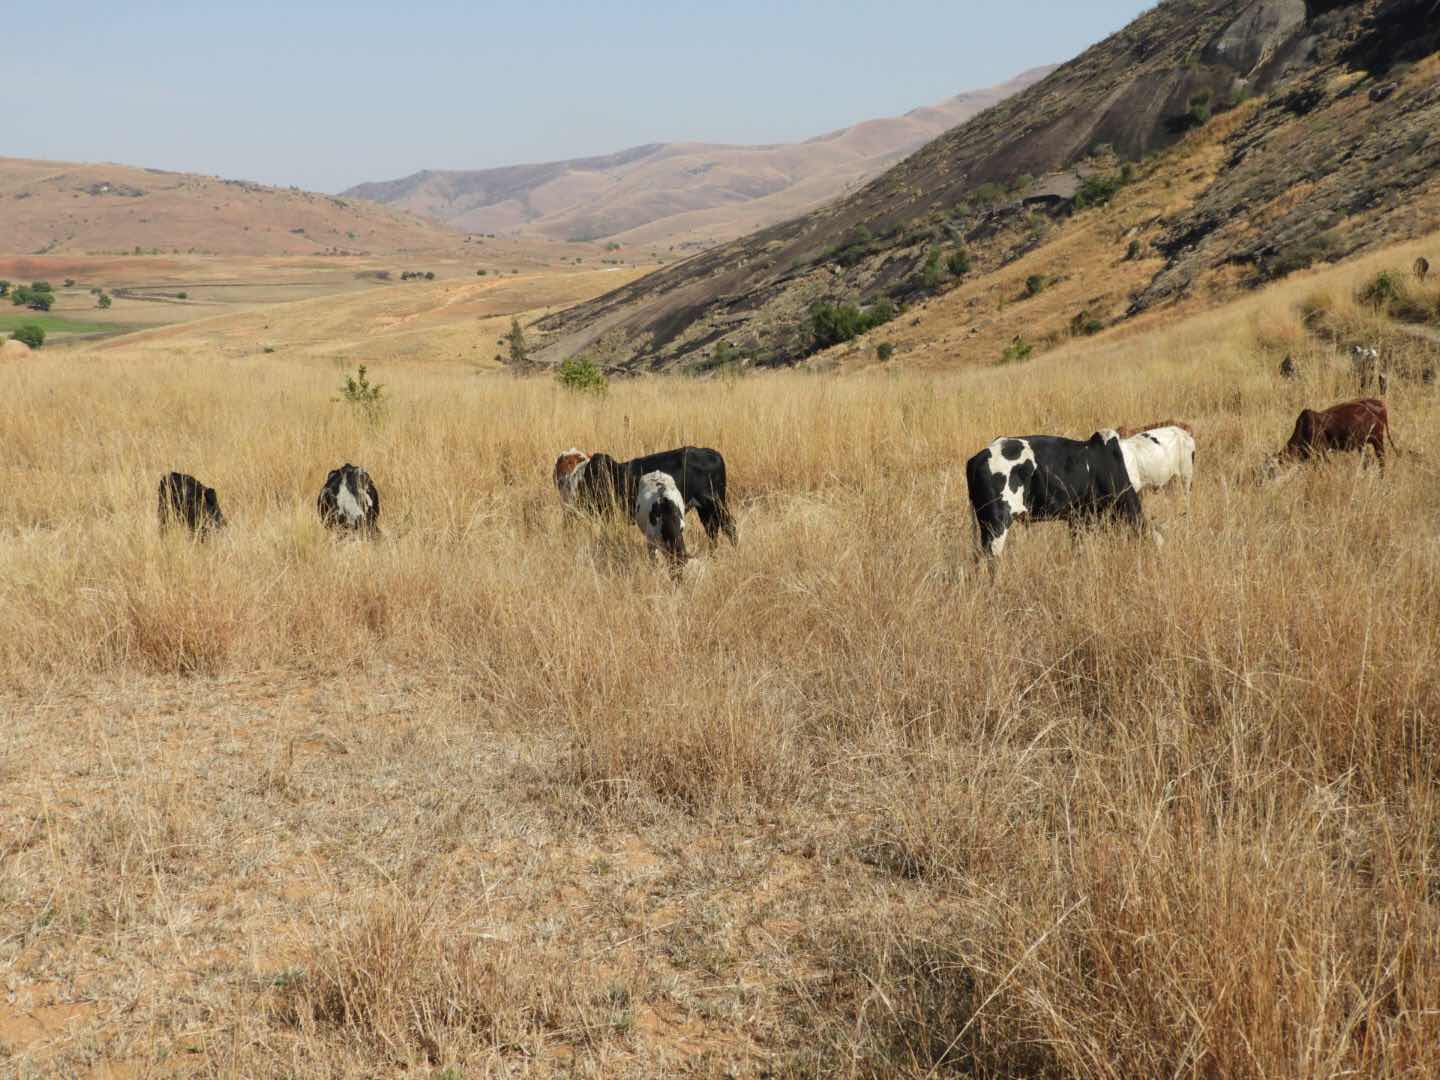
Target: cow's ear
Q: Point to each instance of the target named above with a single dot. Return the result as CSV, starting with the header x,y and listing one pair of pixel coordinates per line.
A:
x,y
1098,439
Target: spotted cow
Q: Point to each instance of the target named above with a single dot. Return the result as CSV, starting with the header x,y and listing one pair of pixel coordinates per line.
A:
x,y
1049,478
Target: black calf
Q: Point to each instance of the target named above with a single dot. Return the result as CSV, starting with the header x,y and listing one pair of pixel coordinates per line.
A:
x,y
184,499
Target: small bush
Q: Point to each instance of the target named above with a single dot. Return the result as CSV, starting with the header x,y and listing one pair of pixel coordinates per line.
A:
x,y
359,392
885,350
1132,252
104,302
1382,290
1096,191
1084,325
958,263
1035,284
930,274
182,296
481,273
1018,351
31,334
988,194
582,375
836,323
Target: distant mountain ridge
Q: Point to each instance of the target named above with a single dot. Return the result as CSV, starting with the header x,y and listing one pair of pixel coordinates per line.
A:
x,y
1330,149
667,192
61,207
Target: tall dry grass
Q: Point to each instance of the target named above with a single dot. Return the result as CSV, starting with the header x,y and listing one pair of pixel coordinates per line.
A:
x,y
1121,812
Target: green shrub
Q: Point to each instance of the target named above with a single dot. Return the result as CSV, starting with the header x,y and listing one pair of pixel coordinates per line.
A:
x,y
958,263
836,323
582,375
182,296
30,334
481,273
1084,325
41,286
1381,290
885,350
930,270
1096,191
39,301
857,246
359,392
988,194
1035,284
104,302
4,287
1133,251
1018,351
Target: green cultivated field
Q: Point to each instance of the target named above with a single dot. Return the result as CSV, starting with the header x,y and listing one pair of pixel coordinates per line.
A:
x,y
54,324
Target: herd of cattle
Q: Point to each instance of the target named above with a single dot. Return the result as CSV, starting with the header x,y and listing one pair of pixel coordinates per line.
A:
x,y
1039,477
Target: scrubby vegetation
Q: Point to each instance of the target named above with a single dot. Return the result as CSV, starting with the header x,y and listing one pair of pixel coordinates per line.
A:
x,y
31,334
583,376
836,323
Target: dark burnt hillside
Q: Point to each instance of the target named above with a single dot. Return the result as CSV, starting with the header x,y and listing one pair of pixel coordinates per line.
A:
x,y
1336,109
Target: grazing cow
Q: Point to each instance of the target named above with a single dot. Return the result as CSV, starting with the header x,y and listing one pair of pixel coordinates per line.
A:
x,y
1126,432
349,501
187,500
1365,360
597,483
1351,425
1049,478
1287,368
1422,268
1157,454
659,511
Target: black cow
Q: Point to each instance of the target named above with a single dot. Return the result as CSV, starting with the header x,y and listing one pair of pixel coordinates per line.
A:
x,y
598,483
349,501
1049,478
185,499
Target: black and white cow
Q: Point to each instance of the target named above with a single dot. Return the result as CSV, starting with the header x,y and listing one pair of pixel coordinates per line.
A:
x,y
597,483
659,512
1049,478
349,501
186,500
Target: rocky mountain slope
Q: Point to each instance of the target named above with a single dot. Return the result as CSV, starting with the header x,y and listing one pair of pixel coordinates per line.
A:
x,y
53,207
676,192
1322,115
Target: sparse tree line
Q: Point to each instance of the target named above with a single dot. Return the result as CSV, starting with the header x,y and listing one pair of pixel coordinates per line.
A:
x,y
37,296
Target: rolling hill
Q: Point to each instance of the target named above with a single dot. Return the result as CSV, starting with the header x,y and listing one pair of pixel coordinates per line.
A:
x,y
664,193
1275,134
53,207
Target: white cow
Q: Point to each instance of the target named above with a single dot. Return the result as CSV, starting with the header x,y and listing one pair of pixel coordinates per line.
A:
x,y
1156,456
660,514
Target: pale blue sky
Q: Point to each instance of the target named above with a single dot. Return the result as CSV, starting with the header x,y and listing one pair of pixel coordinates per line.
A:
x,y
325,95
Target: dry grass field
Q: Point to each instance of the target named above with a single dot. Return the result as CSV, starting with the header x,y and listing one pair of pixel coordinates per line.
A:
x,y
492,796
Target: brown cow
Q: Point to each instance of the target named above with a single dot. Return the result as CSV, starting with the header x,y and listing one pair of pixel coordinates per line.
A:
x,y
1351,425
1127,432
1422,268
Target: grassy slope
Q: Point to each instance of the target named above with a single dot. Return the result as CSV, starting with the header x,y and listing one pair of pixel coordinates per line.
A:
x,y
494,792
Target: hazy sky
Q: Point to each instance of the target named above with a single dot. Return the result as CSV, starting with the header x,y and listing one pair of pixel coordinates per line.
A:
x,y
325,95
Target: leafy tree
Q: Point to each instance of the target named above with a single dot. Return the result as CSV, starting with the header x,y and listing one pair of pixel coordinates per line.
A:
x,y
1035,284
104,302
39,301
31,334
885,350
41,286
519,350
1096,191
